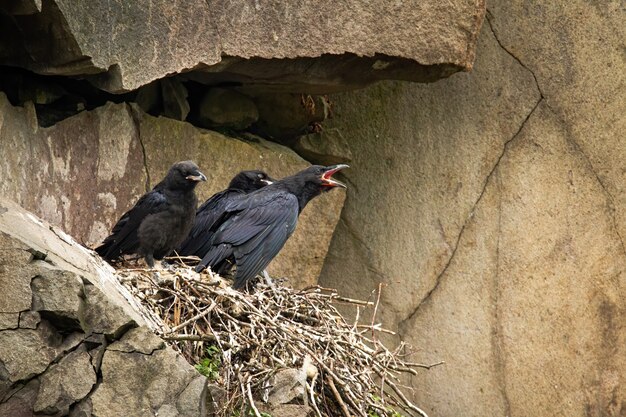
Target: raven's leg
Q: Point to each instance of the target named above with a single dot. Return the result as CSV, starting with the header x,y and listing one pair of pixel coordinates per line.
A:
x,y
268,280
150,260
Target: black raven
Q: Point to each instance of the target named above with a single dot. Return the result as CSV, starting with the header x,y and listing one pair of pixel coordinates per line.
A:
x,y
199,240
160,220
254,228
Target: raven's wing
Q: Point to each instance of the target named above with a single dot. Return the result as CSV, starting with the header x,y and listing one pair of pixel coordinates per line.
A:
x,y
254,232
198,242
124,238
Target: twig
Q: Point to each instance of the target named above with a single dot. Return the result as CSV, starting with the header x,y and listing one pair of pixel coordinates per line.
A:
x,y
249,392
380,289
342,405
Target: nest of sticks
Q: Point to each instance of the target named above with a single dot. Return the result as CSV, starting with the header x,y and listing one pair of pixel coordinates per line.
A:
x,y
349,371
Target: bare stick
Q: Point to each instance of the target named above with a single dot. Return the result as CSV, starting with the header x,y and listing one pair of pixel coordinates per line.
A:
x,y
249,392
342,405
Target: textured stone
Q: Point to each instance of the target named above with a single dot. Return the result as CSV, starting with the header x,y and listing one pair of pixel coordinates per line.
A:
x,y
103,316
226,108
9,320
65,383
26,240
221,158
37,348
15,273
194,397
416,175
328,148
48,370
284,117
21,402
123,46
287,385
174,94
81,409
78,172
139,339
29,319
139,385
58,296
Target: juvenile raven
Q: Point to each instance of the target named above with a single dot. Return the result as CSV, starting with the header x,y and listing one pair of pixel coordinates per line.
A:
x,y
254,228
160,220
198,242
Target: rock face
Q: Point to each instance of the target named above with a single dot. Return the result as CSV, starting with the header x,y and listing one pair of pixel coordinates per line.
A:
x,y
122,46
76,348
83,173
492,204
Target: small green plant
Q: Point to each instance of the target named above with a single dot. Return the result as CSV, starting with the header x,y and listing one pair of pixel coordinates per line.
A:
x,y
209,366
390,412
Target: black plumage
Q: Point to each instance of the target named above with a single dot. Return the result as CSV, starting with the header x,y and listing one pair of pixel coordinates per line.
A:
x,y
199,240
160,220
255,227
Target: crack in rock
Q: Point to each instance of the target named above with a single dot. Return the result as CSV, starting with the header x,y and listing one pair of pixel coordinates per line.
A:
x,y
404,322
489,16
137,126
609,196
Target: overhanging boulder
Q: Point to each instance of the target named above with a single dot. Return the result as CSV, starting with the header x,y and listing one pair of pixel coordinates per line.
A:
x,y
304,46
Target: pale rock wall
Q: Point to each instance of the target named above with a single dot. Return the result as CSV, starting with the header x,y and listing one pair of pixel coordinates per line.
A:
x,y
499,201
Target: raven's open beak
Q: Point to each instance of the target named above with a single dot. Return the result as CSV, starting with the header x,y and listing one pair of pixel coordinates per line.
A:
x,y
330,182
197,176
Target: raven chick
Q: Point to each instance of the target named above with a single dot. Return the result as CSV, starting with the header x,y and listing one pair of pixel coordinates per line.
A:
x,y
254,228
160,220
199,240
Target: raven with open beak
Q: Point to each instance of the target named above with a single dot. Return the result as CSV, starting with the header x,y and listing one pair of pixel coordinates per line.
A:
x,y
254,228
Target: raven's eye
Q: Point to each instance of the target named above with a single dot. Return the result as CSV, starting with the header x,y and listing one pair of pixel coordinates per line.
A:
x,y
260,175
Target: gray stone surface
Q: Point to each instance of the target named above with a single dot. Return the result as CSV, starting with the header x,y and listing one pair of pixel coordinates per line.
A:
x,y
103,316
58,295
65,383
288,385
22,234
328,147
15,273
139,339
37,349
52,362
222,107
123,46
9,320
416,175
142,384
174,95
29,319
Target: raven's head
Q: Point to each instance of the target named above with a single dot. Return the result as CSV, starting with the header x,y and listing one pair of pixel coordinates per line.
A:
x,y
312,181
320,177
184,175
248,181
